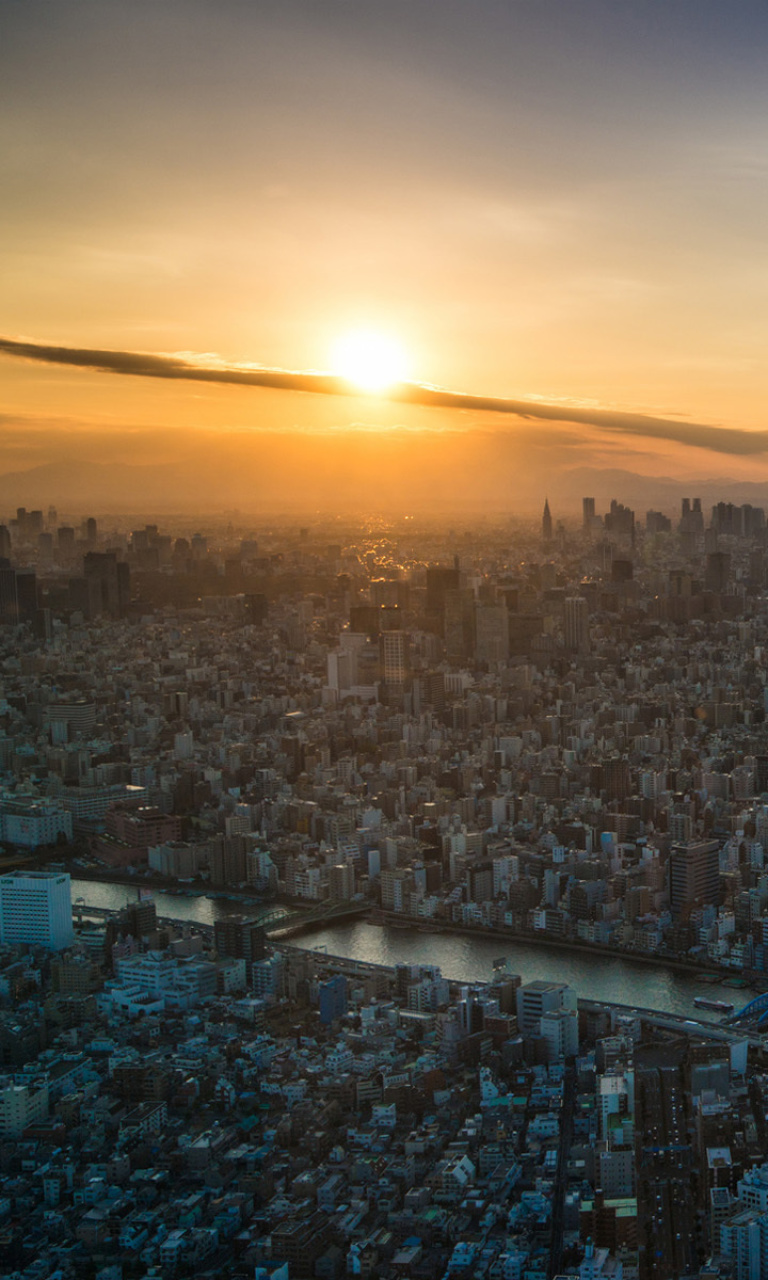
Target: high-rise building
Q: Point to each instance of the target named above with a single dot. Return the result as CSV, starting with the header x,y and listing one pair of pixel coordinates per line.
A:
x,y
240,937
36,909
537,999
718,572
9,604
395,664
332,999
587,513
576,624
18,596
459,624
620,522
112,577
492,632
546,523
440,580
694,875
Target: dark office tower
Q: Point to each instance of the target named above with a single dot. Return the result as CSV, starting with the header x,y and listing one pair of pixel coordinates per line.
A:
x,y
18,596
135,919
255,608
753,521
616,779
657,522
394,648
459,624
292,748
694,875
492,632
26,594
90,531
479,881
622,570
718,572
113,579
65,538
576,625
620,521
9,605
53,516
587,513
728,519
546,523
241,938
5,542
433,690
697,517
21,519
439,580
757,569
365,619
332,999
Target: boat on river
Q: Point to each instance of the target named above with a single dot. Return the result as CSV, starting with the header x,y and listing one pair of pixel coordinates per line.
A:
x,y
714,1006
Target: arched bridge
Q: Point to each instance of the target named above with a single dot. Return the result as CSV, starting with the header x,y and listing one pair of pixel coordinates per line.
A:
x,y
755,1012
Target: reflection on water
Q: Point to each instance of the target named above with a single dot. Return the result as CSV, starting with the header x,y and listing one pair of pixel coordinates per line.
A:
x,y
460,957
471,959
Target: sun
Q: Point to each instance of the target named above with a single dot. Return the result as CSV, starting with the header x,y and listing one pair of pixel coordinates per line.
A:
x,y
373,361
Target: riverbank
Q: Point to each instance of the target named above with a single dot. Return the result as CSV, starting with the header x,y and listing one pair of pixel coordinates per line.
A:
x,y
169,884
577,946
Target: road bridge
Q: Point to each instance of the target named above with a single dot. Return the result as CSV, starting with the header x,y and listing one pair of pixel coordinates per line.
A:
x,y
277,920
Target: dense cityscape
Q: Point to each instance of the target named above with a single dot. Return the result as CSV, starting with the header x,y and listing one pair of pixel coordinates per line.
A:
x,y
550,736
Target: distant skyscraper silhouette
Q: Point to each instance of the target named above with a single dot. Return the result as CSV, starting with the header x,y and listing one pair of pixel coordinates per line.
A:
x,y
546,523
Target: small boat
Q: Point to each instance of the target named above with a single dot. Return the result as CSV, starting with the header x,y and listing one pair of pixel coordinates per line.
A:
x,y
714,1006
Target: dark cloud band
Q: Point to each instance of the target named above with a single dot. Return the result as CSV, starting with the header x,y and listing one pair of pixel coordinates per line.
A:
x,y
139,365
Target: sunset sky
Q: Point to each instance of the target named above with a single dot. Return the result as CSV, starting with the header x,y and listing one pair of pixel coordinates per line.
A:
x,y
564,203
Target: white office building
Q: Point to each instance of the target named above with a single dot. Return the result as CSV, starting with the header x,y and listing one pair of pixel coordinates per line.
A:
x,y
29,821
36,909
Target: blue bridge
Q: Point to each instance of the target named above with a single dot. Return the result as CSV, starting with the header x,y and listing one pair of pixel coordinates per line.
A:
x,y
756,1012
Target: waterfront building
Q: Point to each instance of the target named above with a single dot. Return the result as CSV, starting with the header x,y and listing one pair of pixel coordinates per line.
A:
x,y
36,909
537,999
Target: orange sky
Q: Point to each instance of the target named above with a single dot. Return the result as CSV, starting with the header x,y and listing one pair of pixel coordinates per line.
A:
x,y
537,200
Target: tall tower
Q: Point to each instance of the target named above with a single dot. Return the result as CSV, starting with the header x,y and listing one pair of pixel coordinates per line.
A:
x,y
546,523
587,513
576,624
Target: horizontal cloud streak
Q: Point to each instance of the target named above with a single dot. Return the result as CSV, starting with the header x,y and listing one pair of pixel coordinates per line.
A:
x,y
138,364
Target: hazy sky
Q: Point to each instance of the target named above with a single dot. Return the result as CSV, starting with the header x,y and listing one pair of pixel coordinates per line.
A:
x,y
559,201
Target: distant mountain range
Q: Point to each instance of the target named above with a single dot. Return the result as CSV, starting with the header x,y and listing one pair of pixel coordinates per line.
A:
x,y
271,482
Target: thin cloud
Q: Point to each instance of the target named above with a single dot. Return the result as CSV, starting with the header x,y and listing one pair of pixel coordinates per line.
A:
x,y
137,364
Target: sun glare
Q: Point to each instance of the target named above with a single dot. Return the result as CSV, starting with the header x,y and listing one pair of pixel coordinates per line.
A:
x,y
373,361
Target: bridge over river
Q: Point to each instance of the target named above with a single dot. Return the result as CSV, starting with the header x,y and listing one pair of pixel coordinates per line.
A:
x,y
277,921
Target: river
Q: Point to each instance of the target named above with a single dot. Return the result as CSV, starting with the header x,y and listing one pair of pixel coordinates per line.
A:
x,y
462,957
